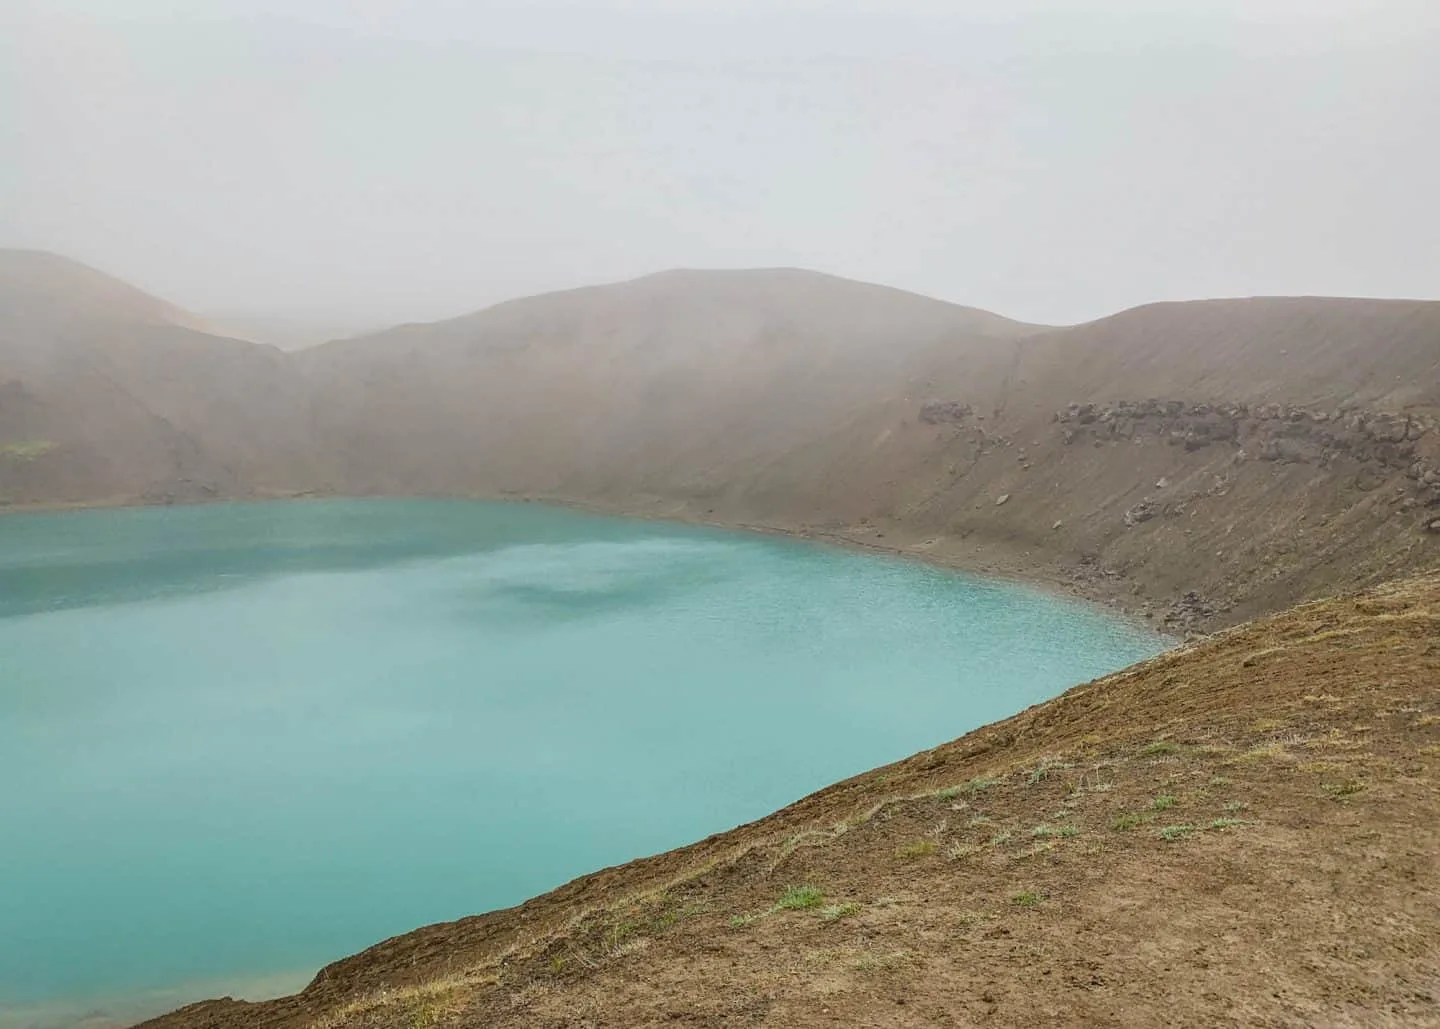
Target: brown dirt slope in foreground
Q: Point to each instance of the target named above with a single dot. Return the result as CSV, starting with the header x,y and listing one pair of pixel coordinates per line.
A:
x,y
1245,831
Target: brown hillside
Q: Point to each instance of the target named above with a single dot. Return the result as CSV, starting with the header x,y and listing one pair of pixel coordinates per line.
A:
x,y
1242,832
108,395
40,287
676,384
801,402
1308,351
1196,463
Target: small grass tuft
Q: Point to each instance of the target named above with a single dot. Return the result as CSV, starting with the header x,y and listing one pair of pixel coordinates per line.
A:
x,y
27,449
1046,832
833,911
961,851
1042,771
800,898
1129,820
619,933
1159,748
1164,802
1175,832
1341,790
1225,823
1026,899
917,849
1267,752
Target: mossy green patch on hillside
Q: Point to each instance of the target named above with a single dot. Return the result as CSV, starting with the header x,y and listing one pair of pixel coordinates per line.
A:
x,y
27,449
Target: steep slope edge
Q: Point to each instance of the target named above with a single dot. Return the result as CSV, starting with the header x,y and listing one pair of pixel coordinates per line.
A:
x,y
1242,831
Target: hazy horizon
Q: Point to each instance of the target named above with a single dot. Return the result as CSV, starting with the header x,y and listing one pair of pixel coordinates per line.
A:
x,y
382,162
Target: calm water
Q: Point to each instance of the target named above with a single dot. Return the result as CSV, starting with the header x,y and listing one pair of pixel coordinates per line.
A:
x,y
237,742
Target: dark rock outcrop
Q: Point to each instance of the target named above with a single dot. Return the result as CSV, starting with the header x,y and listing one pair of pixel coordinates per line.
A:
x,y
1380,443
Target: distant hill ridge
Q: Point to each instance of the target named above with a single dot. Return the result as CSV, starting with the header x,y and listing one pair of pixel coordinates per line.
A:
x,y
36,285
785,399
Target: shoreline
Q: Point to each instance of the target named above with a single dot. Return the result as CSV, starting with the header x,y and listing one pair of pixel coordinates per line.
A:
x,y
982,558
120,1009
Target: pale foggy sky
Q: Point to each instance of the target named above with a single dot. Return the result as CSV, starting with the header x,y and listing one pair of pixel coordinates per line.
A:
x,y
387,160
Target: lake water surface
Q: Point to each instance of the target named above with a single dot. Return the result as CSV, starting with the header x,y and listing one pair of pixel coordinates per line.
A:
x,y
240,741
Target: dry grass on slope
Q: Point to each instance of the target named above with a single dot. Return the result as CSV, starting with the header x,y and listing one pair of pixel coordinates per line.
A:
x,y
1242,832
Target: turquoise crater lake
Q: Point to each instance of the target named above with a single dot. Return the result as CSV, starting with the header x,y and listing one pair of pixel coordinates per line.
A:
x,y
240,741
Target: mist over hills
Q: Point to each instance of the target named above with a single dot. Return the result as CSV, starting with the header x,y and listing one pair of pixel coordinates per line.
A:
x,y
109,395
1123,455
1194,463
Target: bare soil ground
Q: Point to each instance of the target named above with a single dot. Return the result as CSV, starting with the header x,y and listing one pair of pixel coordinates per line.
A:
x,y
1241,832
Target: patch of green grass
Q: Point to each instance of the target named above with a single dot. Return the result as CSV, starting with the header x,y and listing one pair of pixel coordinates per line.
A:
x,y
1348,788
1128,821
675,915
1026,899
919,848
1000,838
1164,802
1175,832
557,965
27,449
800,898
1225,823
741,921
968,788
833,911
1236,805
1045,832
1159,748
1267,752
